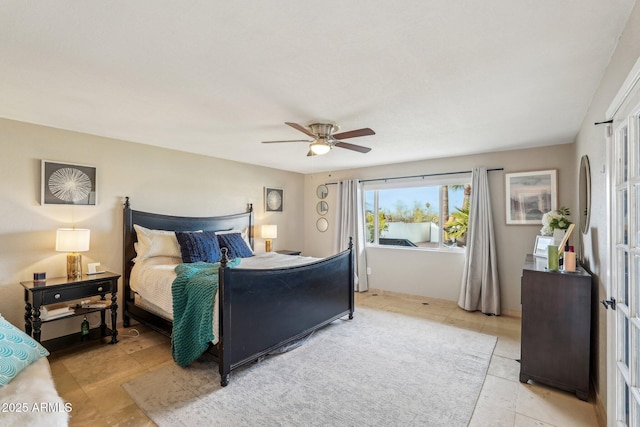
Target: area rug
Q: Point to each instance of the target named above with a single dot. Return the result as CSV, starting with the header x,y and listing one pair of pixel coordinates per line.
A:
x,y
380,368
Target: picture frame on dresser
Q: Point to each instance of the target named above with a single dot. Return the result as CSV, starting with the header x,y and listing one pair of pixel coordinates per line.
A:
x,y
529,195
542,242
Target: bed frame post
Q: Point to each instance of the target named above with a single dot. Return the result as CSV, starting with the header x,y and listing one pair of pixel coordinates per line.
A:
x,y
251,225
128,225
224,364
351,279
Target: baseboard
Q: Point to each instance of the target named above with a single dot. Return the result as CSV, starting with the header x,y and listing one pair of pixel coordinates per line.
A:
x,y
511,313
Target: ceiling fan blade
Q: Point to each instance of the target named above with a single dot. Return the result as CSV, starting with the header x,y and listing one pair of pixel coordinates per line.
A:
x,y
289,140
358,148
300,128
354,133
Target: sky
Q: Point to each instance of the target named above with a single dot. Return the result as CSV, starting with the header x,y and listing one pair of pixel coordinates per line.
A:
x,y
389,197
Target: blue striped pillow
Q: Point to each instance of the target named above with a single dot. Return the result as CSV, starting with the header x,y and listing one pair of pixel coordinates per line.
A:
x,y
17,351
237,246
197,247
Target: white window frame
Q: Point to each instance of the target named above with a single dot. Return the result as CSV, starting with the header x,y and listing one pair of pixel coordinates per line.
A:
x,y
425,181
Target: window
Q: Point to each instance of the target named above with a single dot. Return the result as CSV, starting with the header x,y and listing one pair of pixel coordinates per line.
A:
x,y
429,215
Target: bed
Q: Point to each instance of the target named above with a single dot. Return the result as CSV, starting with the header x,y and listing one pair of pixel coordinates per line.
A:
x,y
259,310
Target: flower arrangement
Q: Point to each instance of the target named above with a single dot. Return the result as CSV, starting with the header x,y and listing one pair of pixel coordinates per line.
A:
x,y
555,220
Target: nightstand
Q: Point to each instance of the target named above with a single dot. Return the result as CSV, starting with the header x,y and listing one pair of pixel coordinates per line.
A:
x,y
288,252
61,289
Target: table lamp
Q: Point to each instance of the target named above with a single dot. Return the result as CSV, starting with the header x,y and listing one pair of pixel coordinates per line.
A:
x,y
72,241
269,232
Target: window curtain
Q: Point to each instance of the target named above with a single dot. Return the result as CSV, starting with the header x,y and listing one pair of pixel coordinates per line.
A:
x,y
351,224
480,289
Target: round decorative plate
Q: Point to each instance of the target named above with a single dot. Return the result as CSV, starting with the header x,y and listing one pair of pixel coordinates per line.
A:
x,y
274,200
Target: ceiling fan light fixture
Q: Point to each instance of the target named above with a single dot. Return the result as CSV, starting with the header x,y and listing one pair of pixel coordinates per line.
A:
x,y
318,148
325,138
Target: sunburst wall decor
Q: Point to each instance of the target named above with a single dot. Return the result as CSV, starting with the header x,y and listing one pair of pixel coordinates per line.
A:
x,y
67,184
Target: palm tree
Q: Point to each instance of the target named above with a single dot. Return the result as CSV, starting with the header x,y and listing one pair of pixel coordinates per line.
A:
x,y
467,197
457,227
445,202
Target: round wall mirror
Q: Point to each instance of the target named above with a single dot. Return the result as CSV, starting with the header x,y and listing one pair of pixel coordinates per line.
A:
x,y
322,191
322,224
322,207
584,194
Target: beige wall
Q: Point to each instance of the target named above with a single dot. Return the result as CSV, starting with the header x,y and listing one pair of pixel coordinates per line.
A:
x,y
160,180
591,142
156,180
438,274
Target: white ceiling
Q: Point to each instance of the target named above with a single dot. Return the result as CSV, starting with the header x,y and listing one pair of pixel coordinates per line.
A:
x,y
433,78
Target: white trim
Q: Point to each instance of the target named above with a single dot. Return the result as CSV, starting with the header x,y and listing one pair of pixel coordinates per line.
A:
x,y
610,314
625,91
624,117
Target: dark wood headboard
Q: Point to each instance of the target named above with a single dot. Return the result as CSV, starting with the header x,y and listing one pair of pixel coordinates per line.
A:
x,y
175,223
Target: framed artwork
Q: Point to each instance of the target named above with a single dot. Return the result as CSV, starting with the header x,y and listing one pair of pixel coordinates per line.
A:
x,y
67,184
542,242
273,199
529,195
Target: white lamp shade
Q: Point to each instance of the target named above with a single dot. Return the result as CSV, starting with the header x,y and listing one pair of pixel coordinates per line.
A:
x,y
269,231
72,239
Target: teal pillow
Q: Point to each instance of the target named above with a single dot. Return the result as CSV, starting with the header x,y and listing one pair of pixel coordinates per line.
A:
x,y
17,351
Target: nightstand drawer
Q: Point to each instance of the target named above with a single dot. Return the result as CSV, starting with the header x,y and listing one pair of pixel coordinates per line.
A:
x,y
68,293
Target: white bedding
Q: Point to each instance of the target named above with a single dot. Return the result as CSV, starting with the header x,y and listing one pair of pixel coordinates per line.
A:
x,y
152,278
31,399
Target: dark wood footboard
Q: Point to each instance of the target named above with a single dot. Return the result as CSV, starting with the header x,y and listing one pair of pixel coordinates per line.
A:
x,y
263,310
260,310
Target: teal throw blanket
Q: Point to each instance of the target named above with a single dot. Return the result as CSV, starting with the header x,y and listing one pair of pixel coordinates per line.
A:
x,y
193,293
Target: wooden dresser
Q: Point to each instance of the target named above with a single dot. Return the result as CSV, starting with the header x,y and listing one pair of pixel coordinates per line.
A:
x,y
556,327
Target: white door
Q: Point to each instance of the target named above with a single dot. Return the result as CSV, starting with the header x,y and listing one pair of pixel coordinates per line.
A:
x,y
624,232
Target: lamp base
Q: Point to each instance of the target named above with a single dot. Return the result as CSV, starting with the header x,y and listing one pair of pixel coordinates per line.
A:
x,y
267,245
74,266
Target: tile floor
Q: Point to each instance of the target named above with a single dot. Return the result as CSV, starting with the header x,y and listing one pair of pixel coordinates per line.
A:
x,y
90,377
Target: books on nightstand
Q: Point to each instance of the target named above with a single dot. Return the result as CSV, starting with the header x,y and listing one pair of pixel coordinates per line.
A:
x,y
54,311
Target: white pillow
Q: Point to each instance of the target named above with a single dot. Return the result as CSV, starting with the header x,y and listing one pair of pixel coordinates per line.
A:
x,y
152,243
244,232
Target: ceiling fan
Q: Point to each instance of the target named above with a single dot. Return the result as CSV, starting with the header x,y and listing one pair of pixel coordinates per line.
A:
x,y
324,138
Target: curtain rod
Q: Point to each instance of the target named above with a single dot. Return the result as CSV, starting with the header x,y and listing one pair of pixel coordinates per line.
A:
x,y
417,176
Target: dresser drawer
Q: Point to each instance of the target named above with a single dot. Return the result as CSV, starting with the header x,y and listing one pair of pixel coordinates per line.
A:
x,y
68,293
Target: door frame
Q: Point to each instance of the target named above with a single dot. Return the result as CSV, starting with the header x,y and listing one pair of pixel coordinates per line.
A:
x,y
625,104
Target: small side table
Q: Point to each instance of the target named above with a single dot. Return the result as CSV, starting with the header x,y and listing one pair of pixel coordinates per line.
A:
x,y
288,252
61,289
